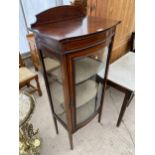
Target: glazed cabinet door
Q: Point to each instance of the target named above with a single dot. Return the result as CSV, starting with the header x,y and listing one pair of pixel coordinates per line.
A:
x,y
88,72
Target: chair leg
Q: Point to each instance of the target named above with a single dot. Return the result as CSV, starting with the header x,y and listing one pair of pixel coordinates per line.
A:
x,y
124,105
38,86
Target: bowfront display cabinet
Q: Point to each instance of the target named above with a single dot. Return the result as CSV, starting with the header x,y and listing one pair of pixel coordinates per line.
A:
x,y
79,48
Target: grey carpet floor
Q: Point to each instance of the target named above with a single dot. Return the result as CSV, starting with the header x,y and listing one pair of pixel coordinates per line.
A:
x,y
94,138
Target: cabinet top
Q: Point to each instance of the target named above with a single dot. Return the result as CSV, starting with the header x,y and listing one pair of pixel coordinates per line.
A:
x,y
67,22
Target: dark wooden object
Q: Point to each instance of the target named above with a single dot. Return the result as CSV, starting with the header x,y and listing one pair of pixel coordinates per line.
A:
x,y
64,33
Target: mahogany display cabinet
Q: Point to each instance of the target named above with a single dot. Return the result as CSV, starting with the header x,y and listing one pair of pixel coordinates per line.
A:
x,y
81,47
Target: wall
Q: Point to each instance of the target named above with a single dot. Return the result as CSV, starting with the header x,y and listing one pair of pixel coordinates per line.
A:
x,y
30,9
123,10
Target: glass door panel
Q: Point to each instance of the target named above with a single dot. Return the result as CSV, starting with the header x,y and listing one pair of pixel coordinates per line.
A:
x,y
89,71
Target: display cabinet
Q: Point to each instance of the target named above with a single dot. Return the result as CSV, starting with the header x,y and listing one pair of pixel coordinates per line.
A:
x,y
82,47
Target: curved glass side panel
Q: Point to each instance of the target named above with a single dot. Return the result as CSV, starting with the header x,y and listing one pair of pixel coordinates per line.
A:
x,y
56,86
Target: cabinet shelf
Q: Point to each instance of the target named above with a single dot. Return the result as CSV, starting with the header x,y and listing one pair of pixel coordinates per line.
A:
x,y
83,112
50,64
84,69
84,93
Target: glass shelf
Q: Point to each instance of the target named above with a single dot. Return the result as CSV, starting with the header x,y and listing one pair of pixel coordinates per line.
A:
x,y
50,64
83,112
84,92
87,100
84,69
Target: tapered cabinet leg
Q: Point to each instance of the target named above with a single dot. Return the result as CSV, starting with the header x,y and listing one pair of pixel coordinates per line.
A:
x,y
123,108
56,125
100,112
70,140
99,118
